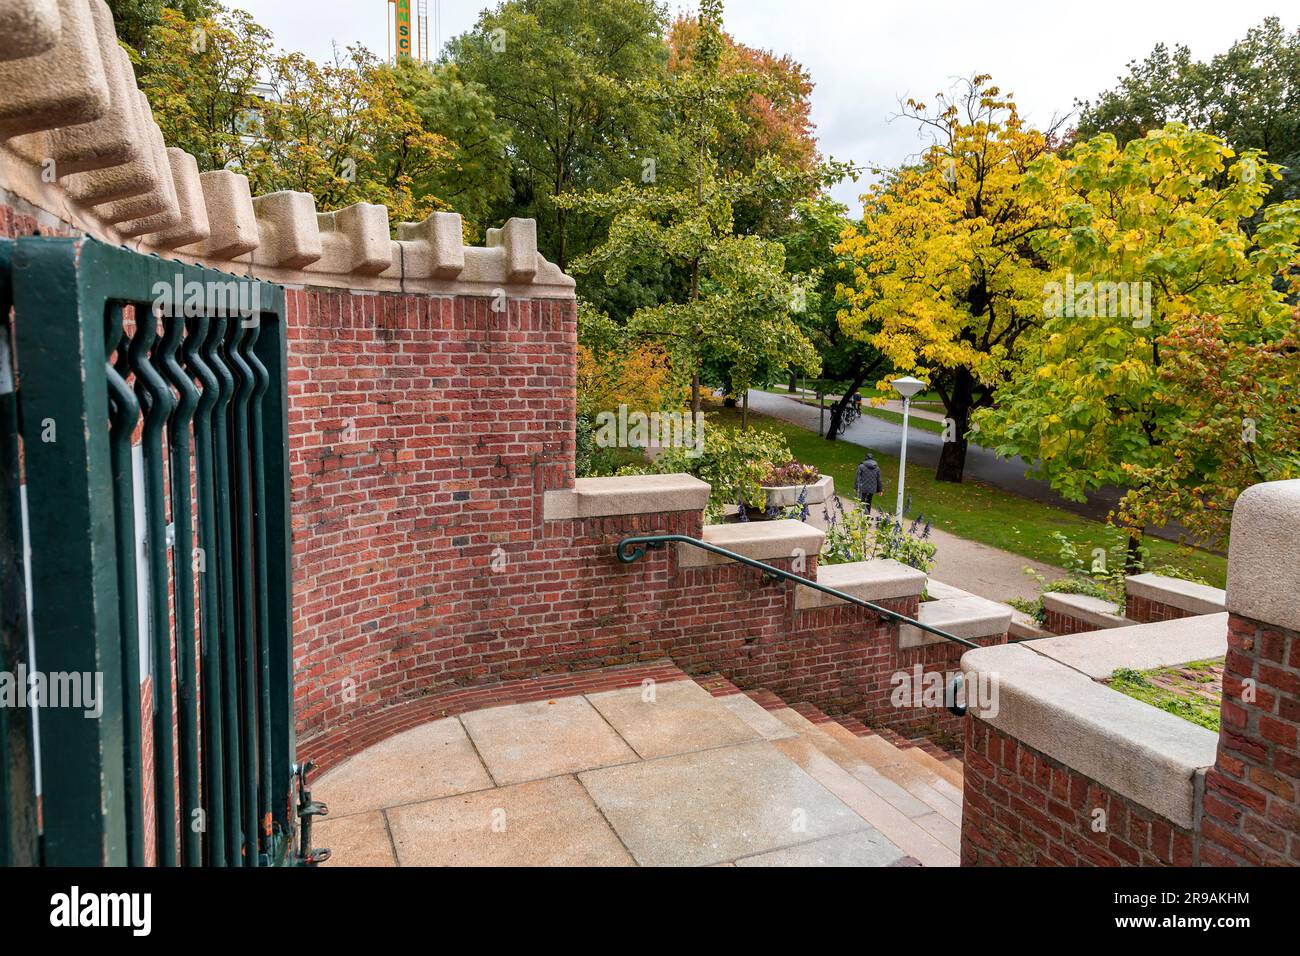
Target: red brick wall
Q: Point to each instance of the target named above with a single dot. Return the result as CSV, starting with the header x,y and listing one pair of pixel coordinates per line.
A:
x,y
424,433
1146,611
1252,793
1022,808
1054,622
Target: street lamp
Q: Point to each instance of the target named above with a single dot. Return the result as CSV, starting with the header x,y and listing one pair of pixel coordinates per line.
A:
x,y
907,387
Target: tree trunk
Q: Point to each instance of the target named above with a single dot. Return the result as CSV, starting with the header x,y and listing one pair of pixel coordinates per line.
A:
x,y
1133,556
744,412
794,383
952,458
837,410
695,395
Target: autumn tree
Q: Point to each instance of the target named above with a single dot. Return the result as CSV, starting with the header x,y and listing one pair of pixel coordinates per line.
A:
x,y
1148,257
945,279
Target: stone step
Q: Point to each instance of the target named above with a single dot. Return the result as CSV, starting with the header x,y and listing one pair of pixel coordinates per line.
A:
x,y
900,787
909,834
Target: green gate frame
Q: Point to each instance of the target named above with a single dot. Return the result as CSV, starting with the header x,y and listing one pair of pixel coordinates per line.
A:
x,y
69,296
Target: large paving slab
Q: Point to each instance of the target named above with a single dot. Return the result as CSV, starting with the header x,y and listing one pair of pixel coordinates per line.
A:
x,y
862,848
544,738
671,718
550,822
715,805
357,840
432,760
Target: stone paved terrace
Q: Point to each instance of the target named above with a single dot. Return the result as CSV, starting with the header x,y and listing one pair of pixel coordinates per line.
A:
x,y
664,773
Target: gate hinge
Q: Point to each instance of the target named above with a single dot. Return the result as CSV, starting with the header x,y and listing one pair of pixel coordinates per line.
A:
x,y
307,809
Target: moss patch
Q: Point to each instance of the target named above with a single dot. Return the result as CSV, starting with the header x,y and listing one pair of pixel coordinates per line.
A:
x,y
1190,691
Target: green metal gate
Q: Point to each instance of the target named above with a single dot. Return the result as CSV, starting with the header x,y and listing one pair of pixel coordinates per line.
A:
x,y
130,363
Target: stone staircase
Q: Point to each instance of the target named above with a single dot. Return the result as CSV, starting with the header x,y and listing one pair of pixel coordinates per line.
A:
x,y
910,791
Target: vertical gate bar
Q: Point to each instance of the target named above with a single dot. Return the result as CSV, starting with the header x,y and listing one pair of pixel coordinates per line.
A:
x,y
214,800
235,843
159,403
256,438
178,444
19,843
66,456
125,412
243,514
270,351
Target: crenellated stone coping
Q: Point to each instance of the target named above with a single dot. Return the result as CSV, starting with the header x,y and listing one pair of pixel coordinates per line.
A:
x,y
626,495
1084,607
760,540
1175,592
1140,647
1137,750
1264,554
78,140
971,617
881,579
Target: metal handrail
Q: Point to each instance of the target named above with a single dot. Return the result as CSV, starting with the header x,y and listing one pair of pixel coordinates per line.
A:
x,y
634,548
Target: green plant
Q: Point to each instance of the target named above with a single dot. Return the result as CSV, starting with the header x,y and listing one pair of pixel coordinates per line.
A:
x,y
1179,690
859,535
733,462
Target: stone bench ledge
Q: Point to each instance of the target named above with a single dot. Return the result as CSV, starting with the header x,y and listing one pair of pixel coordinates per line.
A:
x,y
881,579
1184,595
1084,607
971,617
626,495
760,540
1135,749
1140,646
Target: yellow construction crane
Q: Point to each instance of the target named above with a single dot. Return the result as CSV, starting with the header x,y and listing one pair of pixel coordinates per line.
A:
x,y
413,39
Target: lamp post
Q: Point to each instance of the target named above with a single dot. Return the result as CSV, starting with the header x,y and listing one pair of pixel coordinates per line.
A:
x,y
907,387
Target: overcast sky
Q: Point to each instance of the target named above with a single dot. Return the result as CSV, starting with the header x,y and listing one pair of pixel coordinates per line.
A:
x,y
864,55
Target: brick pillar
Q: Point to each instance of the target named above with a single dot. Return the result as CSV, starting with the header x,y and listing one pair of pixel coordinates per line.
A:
x,y
1251,811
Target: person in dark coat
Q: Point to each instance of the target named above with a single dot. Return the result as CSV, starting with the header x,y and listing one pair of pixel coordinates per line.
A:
x,y
868,481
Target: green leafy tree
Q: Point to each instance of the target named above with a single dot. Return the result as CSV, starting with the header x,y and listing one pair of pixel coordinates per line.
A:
x,y
1142,243
731,301
1248,96
135,21
565,77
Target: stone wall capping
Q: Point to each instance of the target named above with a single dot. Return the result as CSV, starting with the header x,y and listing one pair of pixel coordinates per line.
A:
x,y
433,249
971,617
231,217
1137,750
65,85
1264,554
1186,595
287,230
156,209
626,495
1095,611
136,177
107,141
193,226
1141,646
354,239
880,579
31,28
760,540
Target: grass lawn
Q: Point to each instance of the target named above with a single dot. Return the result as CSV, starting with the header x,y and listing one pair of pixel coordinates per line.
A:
x,y
973,510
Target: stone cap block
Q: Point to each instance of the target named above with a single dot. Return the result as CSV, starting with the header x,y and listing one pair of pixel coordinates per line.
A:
x,y
518,237
138,176
1141,646
1264,554
970,617
354,239
759,540
815,493
880,579
156,208
626,495
231,218
63,86
288,237
31,28
107,141
193,226
1185,595
1085,607
1137,750
433,249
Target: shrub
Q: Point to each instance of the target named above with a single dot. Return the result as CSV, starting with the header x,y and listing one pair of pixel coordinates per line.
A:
x,y
791,473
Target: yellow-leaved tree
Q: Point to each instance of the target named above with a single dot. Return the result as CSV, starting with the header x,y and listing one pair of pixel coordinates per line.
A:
x,y
946,280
